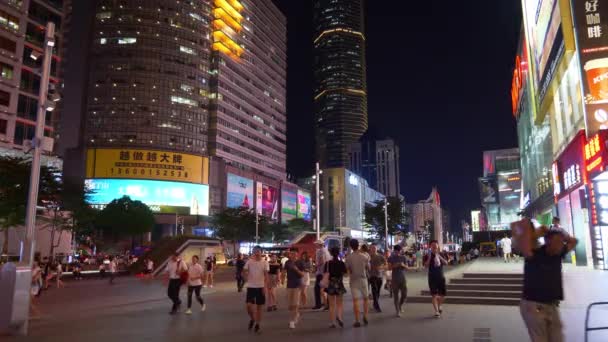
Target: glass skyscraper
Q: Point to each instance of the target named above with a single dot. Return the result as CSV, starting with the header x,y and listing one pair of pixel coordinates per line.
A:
x,y
340,93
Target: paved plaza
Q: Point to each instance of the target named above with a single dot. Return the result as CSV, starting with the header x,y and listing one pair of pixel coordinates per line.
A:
x,y
133,310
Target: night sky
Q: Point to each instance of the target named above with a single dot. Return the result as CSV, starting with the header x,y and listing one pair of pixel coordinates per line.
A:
x,y
439,80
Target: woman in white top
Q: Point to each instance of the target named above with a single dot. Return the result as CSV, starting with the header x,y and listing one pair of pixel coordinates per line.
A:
x,y
195,282
59,273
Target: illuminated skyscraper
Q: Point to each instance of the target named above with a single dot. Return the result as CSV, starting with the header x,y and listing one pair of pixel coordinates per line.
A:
x,y
340,78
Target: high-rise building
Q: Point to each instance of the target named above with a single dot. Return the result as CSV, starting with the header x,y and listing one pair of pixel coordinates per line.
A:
x,y
340,93
378,162
22,32
427,217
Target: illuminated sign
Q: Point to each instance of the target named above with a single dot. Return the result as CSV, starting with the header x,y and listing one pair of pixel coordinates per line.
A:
x,y
525,202
289,205
227,21
557,188
161,196
475,224
572,177
594,152
304,205
147,164
353,180
599,219
239,192
267,203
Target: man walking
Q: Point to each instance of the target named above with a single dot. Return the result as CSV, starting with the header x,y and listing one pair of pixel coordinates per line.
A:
x,y
543,289
239,266
377,265
357,264
175,267
256,272
321,257
398,264
294,270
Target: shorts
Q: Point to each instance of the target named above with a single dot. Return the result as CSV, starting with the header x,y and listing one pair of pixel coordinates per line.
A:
x,y
274,281
256,296
437,286
359,288
306,279
293,297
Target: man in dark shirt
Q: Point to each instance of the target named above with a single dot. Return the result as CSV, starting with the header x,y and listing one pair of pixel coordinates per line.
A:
x,y
398,264
239,265
543,288
295,272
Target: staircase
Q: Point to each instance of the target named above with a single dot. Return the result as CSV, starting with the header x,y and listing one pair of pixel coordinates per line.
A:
x,y
480,289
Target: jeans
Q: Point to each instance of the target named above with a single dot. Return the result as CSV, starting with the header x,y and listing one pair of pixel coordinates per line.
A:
x,y
542,320
197,295
399,288
376,284
173,293
318,302
240,282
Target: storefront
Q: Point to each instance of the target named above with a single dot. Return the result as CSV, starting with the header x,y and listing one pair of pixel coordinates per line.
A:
x,y
570,191
595,165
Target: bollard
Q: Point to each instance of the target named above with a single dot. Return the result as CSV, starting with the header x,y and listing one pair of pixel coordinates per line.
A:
x,y
15,283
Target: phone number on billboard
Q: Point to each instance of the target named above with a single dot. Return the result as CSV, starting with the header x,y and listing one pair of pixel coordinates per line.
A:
x,y
120,171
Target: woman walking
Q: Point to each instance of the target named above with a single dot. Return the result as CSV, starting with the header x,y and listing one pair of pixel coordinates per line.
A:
x,y
209,268
306,263
195,282
335,289
437,286
274,280
59,274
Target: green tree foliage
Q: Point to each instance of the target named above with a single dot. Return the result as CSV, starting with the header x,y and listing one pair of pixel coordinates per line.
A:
x,y
375,219
124,217
237,224
14,179
279,232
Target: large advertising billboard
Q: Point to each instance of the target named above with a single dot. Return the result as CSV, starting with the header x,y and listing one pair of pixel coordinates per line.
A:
x,y
147,164
270,202
161,196
239,192
304,205
488,190
289,205
591,21
546,39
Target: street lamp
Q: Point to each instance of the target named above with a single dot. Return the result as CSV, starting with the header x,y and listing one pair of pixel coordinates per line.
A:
x,y
317,178
257,228
386,204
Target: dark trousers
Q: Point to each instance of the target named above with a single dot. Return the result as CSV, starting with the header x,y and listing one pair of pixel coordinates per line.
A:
x,y
399,288
112,276
173,292
376,284
197,295
240,282
318,301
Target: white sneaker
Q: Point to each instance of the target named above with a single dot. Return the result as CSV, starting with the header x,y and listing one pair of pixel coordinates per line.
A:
x,y
204,307
437,314
204,286
188,312
292,325
211,286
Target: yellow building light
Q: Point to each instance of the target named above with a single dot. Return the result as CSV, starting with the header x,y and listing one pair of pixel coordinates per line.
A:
x,y
341,30
220,25
223,4
221,14
236,4
219,36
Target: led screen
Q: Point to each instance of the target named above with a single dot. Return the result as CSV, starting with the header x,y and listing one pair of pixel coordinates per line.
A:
x,y
240,192
304,207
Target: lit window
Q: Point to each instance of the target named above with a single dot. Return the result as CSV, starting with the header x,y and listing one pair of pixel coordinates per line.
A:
x,y
187,50
7,71
186,88
104,15
122,41
9,21
182,100
102,41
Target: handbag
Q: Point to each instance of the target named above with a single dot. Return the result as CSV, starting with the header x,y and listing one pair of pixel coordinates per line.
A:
x,y
184,276
325,280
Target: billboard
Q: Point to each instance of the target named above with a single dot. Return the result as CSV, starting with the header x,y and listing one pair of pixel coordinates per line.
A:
x,y
147,164
546,39
591,22
475,222
239,192
161,196
304,207
289,205
270,202
488,190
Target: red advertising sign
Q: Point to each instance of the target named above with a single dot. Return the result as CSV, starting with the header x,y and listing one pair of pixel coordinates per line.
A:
x,y
519,79
595,154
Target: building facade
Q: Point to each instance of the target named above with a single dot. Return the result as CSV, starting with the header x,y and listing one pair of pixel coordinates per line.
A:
x,y
22,32
378,162
427,218
340,94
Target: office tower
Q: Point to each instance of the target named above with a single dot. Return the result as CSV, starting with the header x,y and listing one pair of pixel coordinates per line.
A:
x,y
340,94
22,32
378,162
201,77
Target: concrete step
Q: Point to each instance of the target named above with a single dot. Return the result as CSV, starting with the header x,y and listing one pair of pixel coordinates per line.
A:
x,y
480,294
467,300
494,275
486,281
482,287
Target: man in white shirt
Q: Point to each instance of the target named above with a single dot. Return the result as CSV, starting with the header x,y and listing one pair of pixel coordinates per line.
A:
x,y
321,257
256,272
506,248
175,267
112,268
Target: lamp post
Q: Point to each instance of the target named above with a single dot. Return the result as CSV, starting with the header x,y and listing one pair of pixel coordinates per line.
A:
x,y
386,222
257,228
318,173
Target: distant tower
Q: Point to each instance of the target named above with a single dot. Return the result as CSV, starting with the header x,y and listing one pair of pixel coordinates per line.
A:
x,y
340,78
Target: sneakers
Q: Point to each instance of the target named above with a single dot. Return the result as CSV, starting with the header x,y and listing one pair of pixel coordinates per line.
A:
x,y
332,326
340,323
317,308
257,329
204,307
365,322
188,312
437,314
251,323
292,325
357,325
398,314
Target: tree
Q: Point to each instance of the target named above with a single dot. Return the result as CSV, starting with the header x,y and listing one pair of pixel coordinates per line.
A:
x,y
13,194
375,218
237,224
124,217
277,232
